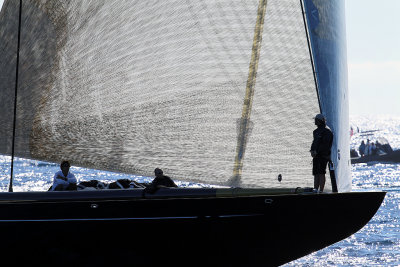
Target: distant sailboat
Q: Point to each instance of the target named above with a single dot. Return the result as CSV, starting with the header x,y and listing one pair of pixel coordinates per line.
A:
x,y
218,92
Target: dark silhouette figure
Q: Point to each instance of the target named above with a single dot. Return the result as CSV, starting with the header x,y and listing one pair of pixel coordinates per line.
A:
x,y
321,151
361,149
160,181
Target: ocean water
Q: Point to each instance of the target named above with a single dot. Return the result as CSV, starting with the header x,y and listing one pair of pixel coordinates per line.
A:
x,y
377,244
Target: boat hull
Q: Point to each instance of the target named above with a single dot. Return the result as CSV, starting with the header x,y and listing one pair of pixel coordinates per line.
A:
x,y
263,230
393,157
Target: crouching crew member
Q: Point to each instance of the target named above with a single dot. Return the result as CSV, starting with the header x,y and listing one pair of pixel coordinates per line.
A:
x,y
160,181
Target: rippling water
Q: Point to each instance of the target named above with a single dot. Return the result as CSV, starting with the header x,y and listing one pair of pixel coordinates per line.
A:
x,y
377,244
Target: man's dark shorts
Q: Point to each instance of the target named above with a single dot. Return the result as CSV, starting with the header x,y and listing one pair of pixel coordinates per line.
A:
x,y
319,165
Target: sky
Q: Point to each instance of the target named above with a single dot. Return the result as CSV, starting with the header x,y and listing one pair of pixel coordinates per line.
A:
x,y
373,56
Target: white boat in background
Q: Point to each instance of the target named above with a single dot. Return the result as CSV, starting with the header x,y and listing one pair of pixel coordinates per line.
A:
x,y
382,152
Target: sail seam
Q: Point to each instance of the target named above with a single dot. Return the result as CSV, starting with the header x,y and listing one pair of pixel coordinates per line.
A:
x,y
244,121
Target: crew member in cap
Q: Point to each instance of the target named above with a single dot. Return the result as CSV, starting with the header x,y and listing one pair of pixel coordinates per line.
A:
x,y
321,151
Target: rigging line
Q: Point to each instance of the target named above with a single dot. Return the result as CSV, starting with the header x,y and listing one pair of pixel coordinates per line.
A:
x,y
10,188
244,121
311,54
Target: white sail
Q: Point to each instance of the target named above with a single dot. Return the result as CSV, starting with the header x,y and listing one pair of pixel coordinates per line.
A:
x,y
129,86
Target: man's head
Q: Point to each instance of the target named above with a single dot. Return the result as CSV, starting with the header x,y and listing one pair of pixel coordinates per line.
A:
x,y
65,167
158,172
320,120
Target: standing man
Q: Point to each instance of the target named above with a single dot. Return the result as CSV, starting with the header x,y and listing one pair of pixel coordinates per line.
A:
x,y
361,149
64,179
321,151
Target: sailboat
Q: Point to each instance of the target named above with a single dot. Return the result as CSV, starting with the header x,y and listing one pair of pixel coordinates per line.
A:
x,y
217,92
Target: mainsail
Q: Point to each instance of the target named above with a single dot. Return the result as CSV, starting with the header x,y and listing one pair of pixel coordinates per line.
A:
x,y
128,86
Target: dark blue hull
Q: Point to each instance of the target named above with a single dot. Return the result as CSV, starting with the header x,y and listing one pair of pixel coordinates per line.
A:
x,y
182,227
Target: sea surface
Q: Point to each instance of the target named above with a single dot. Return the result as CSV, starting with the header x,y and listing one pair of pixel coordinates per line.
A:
x,y
377,244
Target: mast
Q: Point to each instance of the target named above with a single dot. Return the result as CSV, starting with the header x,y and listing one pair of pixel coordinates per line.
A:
x,y
315,74
10,188
244,122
